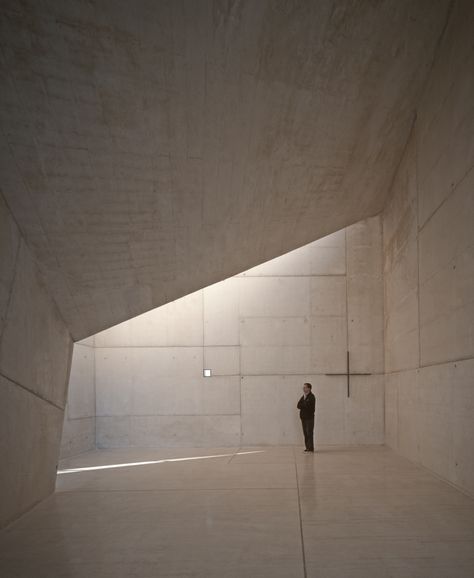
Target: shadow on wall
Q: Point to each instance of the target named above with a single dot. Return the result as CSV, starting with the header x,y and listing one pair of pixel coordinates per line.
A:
x,y
262,334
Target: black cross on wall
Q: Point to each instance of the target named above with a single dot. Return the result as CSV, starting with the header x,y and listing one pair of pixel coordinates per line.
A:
x,y
348,374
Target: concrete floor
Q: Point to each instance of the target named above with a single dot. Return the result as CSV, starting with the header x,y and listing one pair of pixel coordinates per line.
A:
x,y
342,512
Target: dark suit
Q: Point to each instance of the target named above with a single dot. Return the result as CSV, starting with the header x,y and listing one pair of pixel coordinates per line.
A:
x,y
307,407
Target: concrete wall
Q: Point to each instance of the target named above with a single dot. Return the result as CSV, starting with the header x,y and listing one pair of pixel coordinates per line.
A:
x,y
164,147
79,418
262,333
429,272
35,349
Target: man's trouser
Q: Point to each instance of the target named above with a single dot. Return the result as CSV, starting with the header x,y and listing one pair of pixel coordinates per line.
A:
x,y
308,428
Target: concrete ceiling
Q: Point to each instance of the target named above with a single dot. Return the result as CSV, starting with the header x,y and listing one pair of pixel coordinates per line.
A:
x,y
151,148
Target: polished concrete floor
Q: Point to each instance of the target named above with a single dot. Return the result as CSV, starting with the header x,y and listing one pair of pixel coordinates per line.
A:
x,y
252,512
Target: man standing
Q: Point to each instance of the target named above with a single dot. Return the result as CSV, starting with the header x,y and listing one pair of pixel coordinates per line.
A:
x,y
307,405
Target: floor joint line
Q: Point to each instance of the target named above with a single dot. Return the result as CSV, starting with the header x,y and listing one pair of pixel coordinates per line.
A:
x,y
305,574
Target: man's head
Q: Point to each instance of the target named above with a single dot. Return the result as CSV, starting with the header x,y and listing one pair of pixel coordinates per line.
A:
x,y
307,388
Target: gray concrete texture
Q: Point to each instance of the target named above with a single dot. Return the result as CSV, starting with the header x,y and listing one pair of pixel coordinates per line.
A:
x,y
137,167
78,433
149,152
429,272
359,512
35,349
262,334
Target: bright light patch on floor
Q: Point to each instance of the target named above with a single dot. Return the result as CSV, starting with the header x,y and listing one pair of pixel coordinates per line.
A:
x,y
132,464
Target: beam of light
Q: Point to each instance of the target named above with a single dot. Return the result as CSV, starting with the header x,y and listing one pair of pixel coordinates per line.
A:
x,y
132,464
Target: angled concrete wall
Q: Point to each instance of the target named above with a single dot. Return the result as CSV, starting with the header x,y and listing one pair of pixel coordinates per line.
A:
x,y
35,349
262,333
170,145
429,271
79,417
